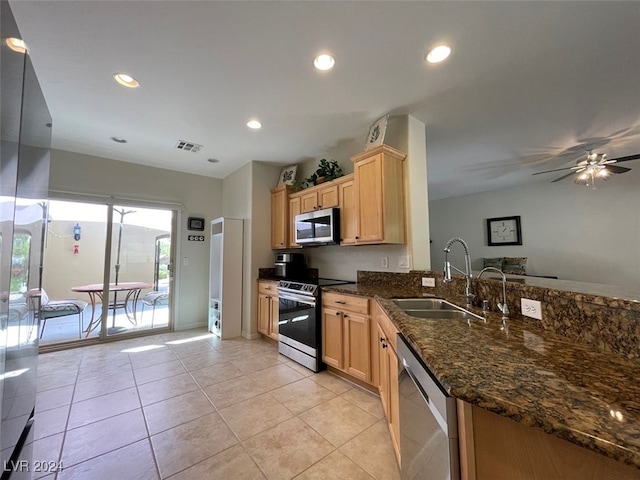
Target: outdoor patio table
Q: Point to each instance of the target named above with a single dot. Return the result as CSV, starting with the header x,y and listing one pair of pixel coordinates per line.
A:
x,y
130,303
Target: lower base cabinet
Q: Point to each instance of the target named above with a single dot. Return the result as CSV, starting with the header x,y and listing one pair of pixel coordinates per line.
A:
x,y
345,334
268,309
493,447
387,374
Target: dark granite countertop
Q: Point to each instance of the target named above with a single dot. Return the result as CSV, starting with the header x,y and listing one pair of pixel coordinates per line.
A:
x,y
531,375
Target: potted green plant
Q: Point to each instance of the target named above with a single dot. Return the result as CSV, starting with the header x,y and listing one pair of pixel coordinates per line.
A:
x,y
327,170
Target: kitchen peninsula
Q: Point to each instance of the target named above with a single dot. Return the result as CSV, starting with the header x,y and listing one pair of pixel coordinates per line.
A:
x,y
522,379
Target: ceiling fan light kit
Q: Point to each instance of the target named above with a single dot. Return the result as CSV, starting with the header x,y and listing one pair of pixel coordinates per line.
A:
x,y
596,166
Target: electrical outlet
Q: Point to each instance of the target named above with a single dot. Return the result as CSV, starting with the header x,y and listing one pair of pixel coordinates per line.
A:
x,y
531,308
185,261
385,262
404,261
428,282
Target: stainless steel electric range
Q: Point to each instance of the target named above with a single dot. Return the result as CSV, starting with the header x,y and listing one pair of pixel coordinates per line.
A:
x,y
300,321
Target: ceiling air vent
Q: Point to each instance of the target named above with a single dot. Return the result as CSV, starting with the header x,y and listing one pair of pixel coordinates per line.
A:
x,y
188,146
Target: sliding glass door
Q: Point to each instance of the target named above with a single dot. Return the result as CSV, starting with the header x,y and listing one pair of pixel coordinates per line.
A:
x,y
139,280
108,268
74,259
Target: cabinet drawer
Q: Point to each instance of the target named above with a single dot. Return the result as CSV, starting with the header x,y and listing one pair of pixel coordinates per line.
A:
x,y
268,288
352,303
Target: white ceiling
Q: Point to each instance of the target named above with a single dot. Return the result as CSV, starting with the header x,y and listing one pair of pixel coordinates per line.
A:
x,y
526,82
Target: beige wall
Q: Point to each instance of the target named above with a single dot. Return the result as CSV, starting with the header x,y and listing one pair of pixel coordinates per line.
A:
x,y
200,196
247,195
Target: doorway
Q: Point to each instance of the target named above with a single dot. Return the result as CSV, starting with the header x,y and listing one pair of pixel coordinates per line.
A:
x,y
114,262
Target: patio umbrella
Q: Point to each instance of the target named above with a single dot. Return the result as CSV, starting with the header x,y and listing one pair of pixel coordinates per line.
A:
x,y
122,213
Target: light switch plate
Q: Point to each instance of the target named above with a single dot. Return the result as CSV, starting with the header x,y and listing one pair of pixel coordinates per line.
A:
x,y
404,261
531,308
428,282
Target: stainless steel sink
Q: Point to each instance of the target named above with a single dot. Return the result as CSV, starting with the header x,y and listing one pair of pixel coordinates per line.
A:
x,y
436,308
443,314
425,304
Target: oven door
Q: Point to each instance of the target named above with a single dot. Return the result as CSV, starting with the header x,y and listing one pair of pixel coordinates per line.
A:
x,y
297,318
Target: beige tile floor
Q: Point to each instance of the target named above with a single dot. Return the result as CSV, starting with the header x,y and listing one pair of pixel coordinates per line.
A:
x,y
187,405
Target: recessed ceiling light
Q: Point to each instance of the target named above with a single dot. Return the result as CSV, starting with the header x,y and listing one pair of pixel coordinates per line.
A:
x,y
213,160
438,54
324,62
119,139
16,44
126,80
254,124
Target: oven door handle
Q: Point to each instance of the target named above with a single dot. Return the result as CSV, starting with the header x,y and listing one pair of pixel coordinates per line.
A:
x,y
298,298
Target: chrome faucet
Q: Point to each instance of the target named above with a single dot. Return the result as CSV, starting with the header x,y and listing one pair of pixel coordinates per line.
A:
x,y
467,267
504,309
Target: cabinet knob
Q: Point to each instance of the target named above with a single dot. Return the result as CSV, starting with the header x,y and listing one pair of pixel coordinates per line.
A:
x,y
357,237
337,313
382,339
384,345
346,316
315,208
319,206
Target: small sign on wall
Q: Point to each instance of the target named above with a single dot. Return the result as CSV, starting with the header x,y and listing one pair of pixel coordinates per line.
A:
x,y
195,238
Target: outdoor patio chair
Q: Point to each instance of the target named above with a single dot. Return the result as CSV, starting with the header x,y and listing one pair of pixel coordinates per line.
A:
x,y
60,308
152,299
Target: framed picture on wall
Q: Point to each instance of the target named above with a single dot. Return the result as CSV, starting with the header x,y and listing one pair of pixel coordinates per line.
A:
x,y
504,231
376,133
288,175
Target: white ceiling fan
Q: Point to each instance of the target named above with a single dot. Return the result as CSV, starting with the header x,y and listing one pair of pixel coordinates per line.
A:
x,y
594,166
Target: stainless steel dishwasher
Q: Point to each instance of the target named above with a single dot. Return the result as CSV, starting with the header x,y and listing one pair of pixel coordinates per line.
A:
x,y
428,423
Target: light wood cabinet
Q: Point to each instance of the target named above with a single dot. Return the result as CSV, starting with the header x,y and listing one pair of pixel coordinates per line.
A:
x,y
348,219
379,196
294,209
280,217
346,334
493,447
319,197
386,372
268,309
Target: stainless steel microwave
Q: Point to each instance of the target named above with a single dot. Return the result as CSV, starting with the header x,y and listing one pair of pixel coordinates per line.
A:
x,y
320,227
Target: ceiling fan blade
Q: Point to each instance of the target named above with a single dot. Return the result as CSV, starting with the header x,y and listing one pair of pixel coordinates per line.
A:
x,y
558,169
626,159
617,169
562,177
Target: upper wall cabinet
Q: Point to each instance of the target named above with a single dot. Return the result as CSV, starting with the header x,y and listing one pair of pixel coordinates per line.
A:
x,y
319,197
379,196
347,203
371,202
280,216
